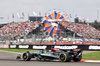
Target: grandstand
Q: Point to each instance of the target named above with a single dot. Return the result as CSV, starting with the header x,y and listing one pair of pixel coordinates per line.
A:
x,y
33,31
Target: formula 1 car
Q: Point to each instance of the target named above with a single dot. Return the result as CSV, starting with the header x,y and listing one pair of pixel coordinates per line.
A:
x,y
55,53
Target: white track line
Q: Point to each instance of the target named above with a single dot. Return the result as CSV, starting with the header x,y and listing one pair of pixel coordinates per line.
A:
x,y
90,61
93,61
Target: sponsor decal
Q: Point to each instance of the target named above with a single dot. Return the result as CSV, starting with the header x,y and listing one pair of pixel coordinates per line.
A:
x,y
12,46
94,47
4,45
39,47
24,46
66,47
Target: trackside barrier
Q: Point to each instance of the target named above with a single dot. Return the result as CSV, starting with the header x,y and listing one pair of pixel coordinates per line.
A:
x,y
5,46
68,47
89,47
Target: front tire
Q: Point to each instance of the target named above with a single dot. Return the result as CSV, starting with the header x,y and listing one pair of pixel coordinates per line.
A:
x,y
26,56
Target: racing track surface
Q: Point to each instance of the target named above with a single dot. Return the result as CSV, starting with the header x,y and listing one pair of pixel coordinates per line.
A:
x,y
9,59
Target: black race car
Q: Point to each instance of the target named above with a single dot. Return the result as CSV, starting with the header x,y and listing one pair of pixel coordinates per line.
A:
x,y
54,53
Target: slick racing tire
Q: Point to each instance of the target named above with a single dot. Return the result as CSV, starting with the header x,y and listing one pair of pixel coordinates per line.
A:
x,y
64,57
77,59
26,56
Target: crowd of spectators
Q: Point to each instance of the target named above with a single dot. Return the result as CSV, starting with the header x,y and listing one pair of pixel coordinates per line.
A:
x,y
18,28
83,30
23,28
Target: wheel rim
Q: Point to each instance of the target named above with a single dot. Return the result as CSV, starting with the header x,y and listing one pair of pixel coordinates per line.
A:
x,y
62,57
24,56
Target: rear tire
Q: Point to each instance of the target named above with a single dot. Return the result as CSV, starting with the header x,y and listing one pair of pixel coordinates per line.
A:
x,y
26,56
64,57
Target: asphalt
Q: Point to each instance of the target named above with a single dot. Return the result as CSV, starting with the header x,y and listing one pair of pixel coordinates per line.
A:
x,y
9,59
